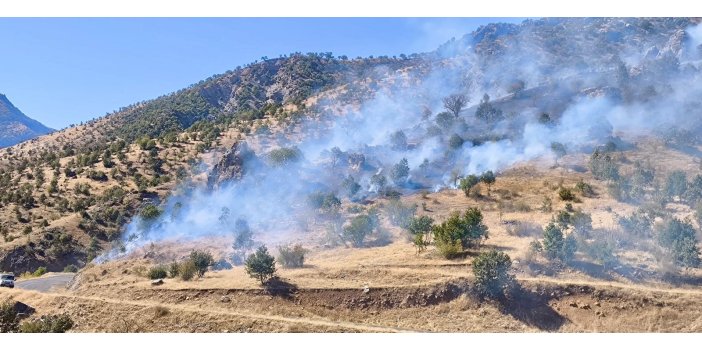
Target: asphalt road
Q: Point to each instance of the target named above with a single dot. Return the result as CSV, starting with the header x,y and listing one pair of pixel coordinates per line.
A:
x,y
46,283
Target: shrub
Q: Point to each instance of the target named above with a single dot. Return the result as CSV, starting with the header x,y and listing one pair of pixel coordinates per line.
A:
x,y
585,189
400,214
202,260
261,265
676,184
358,229
488,178
566,194
174,269
48,324
187,270
284,156
420,228
243,235
602,251
491,270
467,230
9,322
546,204
400,172
398,140
292,256
637,223
679,239
467,183
694,189
556,245
326,202
71,268
39,272
150,212
448,249
157,272
602,166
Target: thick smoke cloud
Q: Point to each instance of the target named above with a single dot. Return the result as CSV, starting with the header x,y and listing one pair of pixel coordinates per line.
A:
x,y
588,105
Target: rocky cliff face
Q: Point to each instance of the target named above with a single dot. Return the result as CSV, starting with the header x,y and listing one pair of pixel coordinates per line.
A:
x,y
15,127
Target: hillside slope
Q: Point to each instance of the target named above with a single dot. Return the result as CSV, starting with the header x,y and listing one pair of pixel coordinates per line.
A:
x,y
15,126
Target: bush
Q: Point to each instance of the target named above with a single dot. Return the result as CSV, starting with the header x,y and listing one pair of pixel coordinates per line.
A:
x,y
48,324
556,245
420,228
202,260
326,202
679,239
71,268
284,156
566,194
676,184
601,251
187,270
358,229
492,277
467,230
39,272
150,212
467,183
292,256
157,272
602,166
9,322
261,265
243,235
488,178
174,269
400,214
400,172
448,249
585,189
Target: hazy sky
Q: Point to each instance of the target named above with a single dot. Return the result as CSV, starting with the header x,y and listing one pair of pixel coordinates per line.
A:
x,y
62,70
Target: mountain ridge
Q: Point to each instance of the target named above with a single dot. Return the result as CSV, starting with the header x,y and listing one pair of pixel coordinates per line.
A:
x,y
15,126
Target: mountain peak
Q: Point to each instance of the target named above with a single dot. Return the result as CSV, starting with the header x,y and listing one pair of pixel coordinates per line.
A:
x,y
15,126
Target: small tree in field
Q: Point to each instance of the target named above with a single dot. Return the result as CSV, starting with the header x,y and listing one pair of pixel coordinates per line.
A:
x,y
261,265
468,183
455,103
492,276
202,260
489,179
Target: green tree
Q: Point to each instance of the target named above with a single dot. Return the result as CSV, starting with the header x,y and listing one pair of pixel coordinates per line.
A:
x,y
360,227
557,246
491,270
680,240
420,228
488,178
467,230
398,140
676,184
260,265
202,260
467,183
400,172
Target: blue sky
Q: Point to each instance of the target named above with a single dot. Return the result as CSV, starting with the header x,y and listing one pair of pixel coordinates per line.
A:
x,y
66,70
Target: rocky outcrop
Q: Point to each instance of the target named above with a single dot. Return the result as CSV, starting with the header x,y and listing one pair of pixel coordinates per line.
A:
x,y
232,165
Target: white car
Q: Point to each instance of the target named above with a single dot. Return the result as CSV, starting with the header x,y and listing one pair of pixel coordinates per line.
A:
x,y
7,280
